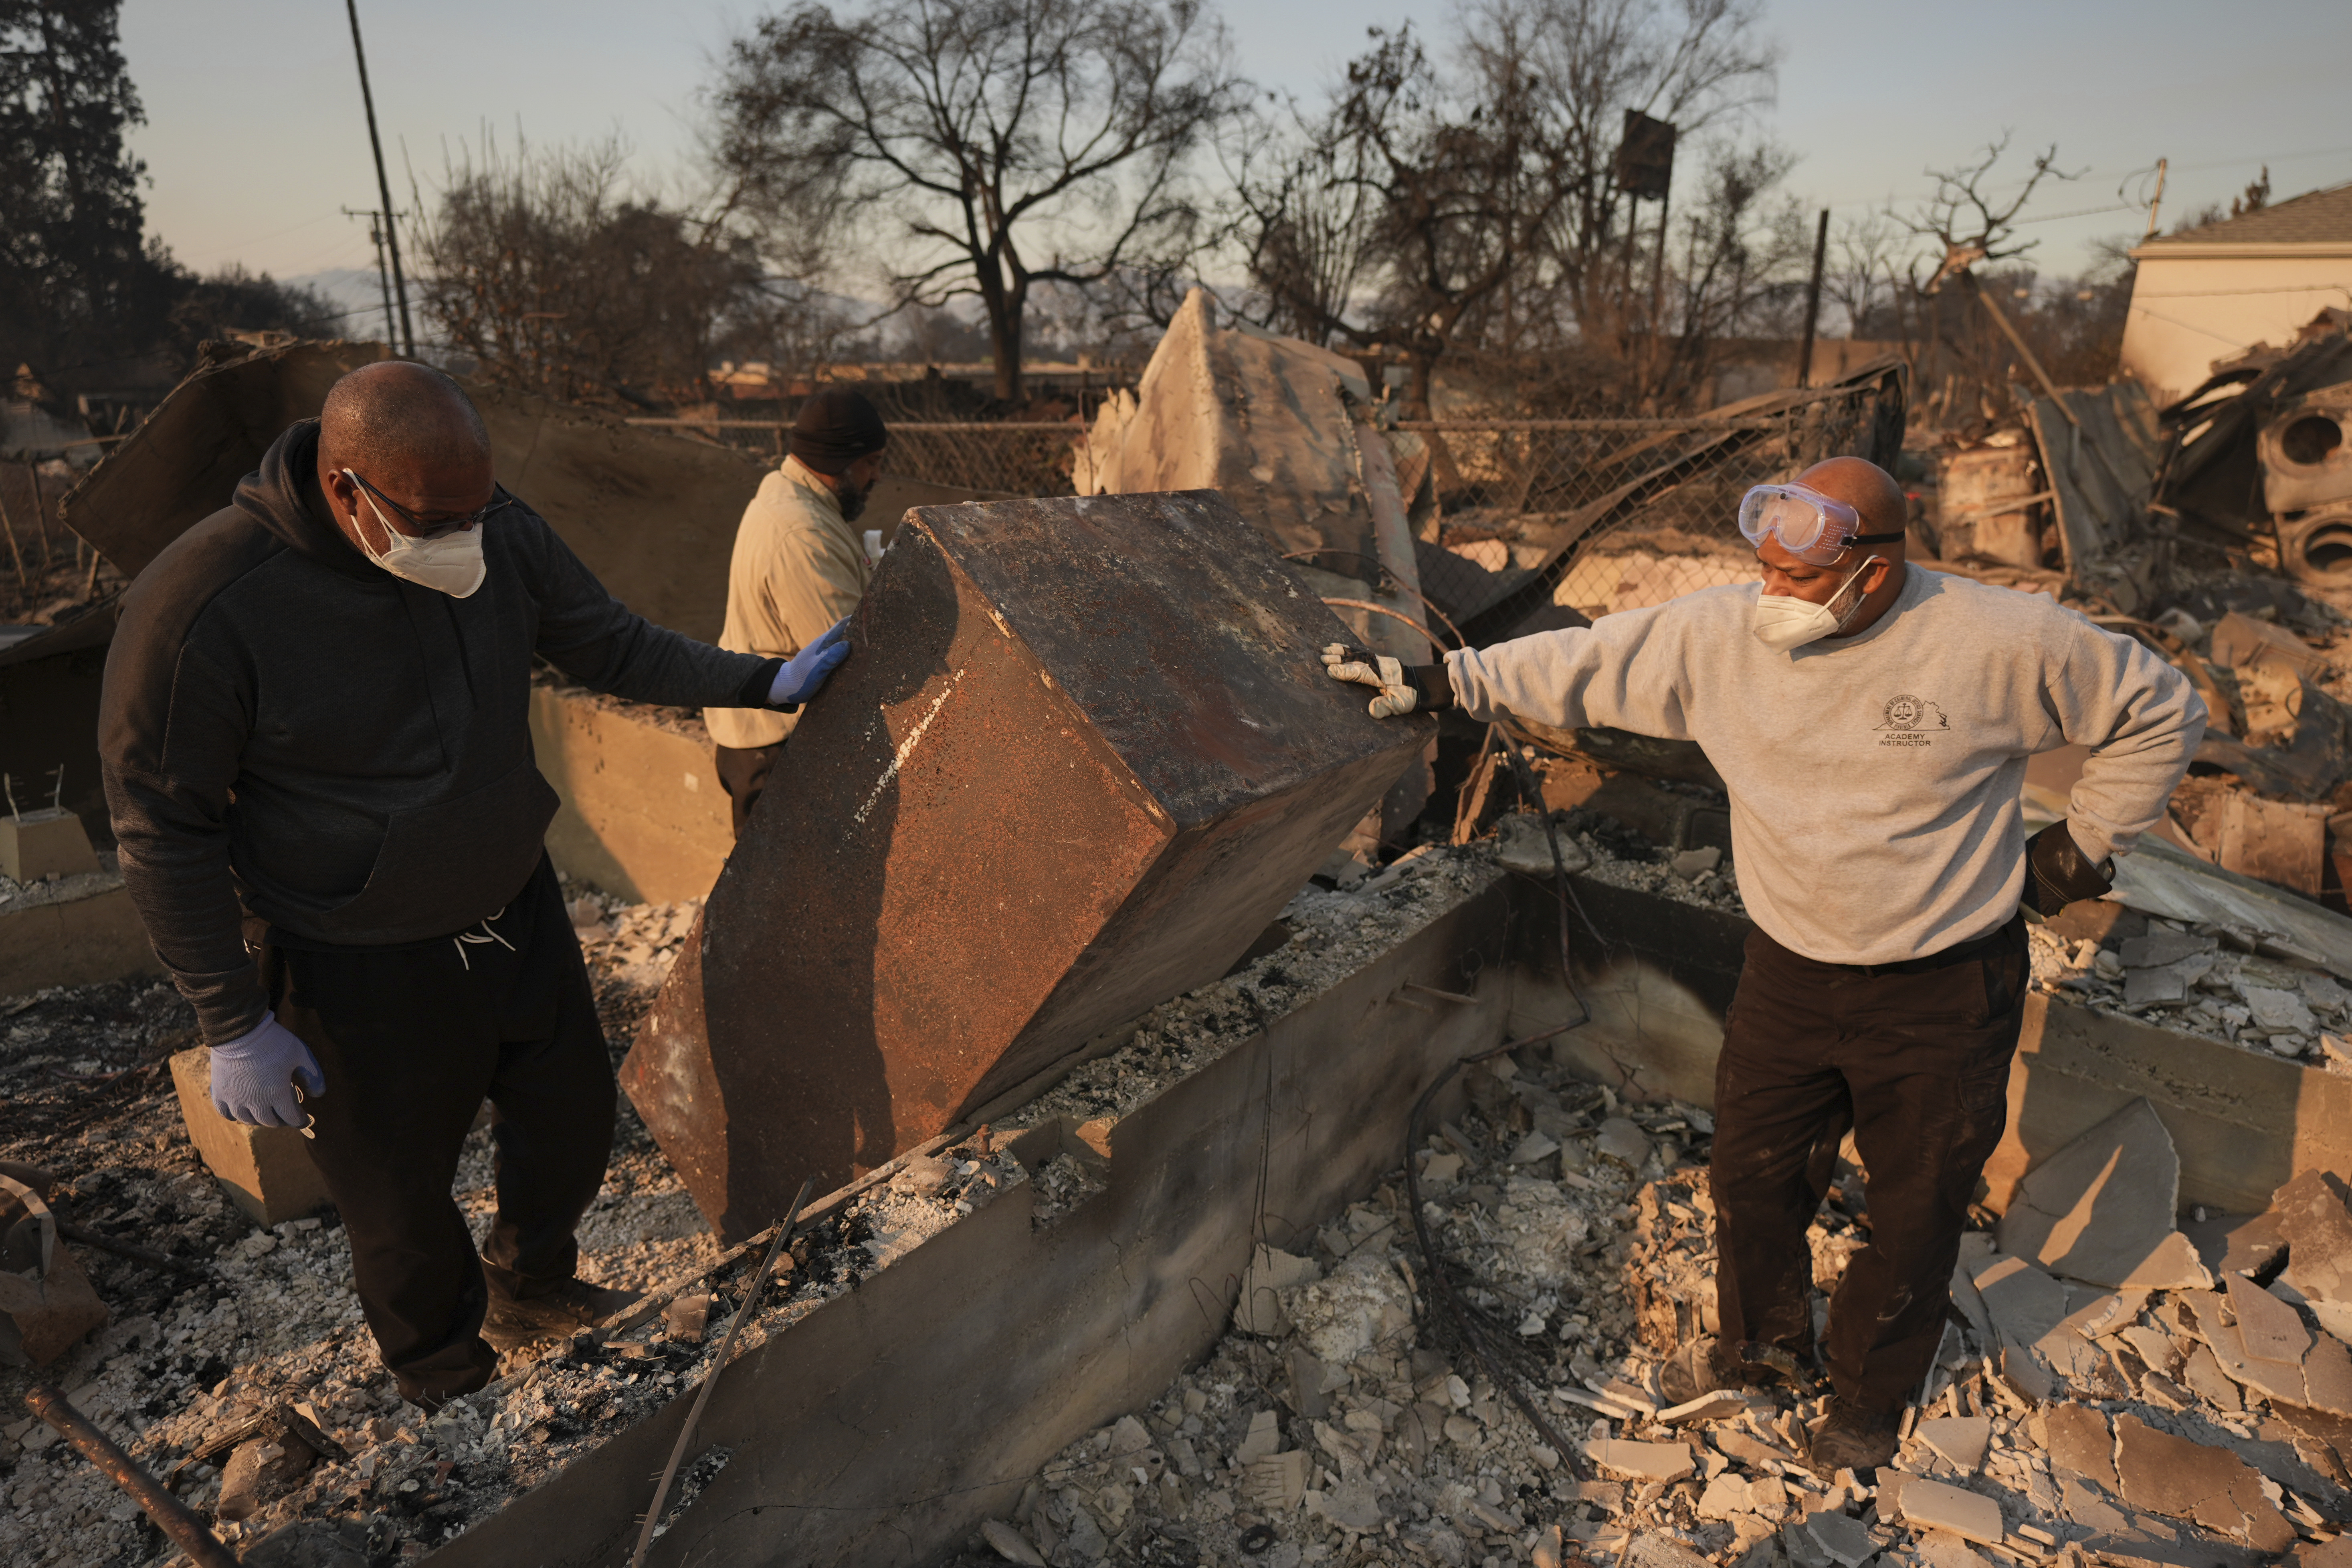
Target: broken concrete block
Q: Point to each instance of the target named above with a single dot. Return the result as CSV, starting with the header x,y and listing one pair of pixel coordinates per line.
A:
x,y
1961,1440
2271,1330
266,1171
1642,1461
2275,841
1932,1505
1351,1505
1264,1437
2025,1377
1726,1496
2024,1304
2203,1377
1939,1551
2101,1209
46,1302
2170,1475
1082,754
2077,1439
2238,1243
2151,987
38,845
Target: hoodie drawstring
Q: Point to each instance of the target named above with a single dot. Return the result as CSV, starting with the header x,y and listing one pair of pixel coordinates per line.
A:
x,y
482,933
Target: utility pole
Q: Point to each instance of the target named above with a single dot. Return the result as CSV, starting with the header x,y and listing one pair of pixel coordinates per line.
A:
x,y
382,183
2155,202
1814,300
382,278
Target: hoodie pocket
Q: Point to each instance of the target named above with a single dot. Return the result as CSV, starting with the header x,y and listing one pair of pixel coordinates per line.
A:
x,y
445,866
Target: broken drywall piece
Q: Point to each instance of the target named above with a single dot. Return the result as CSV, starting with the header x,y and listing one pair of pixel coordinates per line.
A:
x,y
2077,1439
2101,1209
1960,1439
2310,1215
1977,1252
2163,946
2025,1305
2270,1329
2170,1475
1622,1141
1843,1540
1932,1505
1641,1461
2239,1243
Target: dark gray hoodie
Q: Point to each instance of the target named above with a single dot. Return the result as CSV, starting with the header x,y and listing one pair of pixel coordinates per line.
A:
x,y
290,730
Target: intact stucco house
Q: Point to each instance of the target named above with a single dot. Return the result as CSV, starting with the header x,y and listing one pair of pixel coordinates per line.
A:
x,y
2216,291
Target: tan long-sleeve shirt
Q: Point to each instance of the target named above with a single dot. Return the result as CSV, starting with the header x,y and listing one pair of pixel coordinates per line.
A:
x,y
1873,779
798,567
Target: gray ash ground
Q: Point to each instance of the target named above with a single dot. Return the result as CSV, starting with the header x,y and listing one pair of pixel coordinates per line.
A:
x,y
268,1317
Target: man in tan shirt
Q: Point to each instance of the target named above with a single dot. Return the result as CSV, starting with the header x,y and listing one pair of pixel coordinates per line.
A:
x,y
799,568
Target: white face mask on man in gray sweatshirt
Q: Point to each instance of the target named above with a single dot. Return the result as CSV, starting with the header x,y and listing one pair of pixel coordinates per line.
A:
x,y
1875,778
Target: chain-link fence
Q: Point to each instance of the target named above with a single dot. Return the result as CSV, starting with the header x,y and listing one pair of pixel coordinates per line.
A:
x,y
1600,515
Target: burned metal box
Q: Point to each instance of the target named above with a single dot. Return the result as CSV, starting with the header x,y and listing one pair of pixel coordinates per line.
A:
x,y
1082,753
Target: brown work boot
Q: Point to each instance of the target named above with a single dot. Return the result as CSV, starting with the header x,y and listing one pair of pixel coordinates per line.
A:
x,y
1849,1438
1704,1365
556,1315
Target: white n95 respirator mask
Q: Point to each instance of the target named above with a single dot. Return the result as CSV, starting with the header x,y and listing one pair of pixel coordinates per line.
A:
x,y
1784,624
450,563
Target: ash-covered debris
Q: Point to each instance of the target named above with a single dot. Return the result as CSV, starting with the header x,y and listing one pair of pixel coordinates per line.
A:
x,y
2203,980
2068,1421
1062,1183
1333,932
1620,856
274,1325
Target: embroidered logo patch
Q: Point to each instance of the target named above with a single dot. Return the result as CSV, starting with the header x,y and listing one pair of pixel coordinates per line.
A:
x,y
1905,718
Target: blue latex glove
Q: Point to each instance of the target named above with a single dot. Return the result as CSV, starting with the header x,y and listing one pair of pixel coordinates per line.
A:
x,y
253,1076
806,671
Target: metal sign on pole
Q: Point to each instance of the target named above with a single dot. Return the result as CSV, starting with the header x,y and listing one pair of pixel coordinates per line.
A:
x,y
382,183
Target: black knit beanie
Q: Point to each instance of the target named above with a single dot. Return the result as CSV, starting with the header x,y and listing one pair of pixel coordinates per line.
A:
x,y
836,428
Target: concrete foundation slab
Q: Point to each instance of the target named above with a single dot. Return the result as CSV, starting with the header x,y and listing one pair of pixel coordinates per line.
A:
x,y
75,932
642,816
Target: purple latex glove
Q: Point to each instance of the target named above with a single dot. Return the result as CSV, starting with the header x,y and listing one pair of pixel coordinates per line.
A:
x,y
805,670
253,1076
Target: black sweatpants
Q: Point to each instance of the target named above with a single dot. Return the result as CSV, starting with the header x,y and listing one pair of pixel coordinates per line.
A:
x,y
411,1042
744,775
1914,1057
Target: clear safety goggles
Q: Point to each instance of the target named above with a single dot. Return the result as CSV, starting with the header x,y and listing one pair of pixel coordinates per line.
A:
x,y
1810,525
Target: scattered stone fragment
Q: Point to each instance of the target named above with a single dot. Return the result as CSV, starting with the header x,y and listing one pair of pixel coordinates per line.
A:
x,y
1264,1437
1932,1505
1726,1496
2024,1304
1351,1506
2154,988
2170,1475
1692,864
1722,1405
2239,1243
1442,1170
1938,1549
1011,1545
2205,1379
1642,1461
2101,1209
1533,1147
2275,1009
1844,1540
923,1175
1961,1440
1622,1141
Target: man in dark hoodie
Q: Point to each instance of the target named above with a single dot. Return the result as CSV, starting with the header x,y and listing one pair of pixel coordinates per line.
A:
x,y
319,765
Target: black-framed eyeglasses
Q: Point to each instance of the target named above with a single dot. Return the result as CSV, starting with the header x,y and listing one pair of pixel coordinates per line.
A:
x,y
447,525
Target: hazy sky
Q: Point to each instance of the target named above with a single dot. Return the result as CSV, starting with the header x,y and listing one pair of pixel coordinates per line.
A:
x,y
255,138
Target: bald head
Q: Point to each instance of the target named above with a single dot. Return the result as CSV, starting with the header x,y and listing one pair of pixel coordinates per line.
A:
x,y
1869,490
413,435
397,414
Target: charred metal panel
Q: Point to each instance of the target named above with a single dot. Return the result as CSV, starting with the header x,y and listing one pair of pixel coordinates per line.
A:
x,y
1082,753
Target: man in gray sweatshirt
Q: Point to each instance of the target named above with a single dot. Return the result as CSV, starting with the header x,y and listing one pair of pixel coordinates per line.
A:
x,y
1872,721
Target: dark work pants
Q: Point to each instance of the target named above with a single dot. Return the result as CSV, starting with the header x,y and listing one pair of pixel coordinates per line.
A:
x,y
743,773
412,1042
1914,1060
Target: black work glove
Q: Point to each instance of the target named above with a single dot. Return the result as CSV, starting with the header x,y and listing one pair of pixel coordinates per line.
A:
x,y
2057,873
1403,688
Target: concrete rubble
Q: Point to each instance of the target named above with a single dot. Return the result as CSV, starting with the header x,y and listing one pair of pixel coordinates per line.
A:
x,y
1339,1425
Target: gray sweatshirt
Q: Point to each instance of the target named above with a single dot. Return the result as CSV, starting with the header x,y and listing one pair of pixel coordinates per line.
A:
x,y
1874,780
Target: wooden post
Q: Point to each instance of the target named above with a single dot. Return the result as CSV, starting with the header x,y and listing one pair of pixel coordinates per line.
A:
x,y
1813,301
